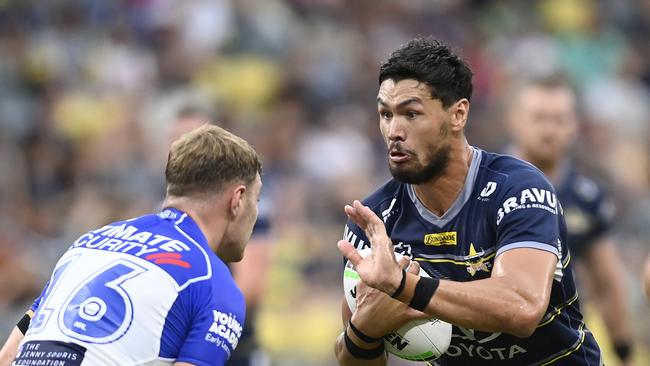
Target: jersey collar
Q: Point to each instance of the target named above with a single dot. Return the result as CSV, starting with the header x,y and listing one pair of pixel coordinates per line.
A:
x,y
185,223
462,198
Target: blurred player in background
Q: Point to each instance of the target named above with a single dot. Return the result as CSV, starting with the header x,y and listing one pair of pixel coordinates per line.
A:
x,y
486,227
150,290
250,273
646,278
543,123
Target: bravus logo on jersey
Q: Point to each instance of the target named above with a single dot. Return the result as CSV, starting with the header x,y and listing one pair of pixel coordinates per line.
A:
x,y
530,198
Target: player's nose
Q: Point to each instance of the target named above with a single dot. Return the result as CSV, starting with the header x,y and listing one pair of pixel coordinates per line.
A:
x,y
396,131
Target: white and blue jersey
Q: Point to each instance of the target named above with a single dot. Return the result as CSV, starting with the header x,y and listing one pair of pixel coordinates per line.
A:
x,y
146,291
505,204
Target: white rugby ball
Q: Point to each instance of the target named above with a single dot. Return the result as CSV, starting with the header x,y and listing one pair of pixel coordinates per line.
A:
x,y
417,340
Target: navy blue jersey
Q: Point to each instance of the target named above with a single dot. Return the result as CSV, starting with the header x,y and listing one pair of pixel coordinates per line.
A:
x,y
146,291
505,204
587,210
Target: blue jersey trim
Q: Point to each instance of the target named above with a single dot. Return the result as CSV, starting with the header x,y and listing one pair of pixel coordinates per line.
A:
x,y
180,220
205,255
529,244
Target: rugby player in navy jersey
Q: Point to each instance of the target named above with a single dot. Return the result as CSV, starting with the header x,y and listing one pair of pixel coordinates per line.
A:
x,y
543,123
487,227
155,289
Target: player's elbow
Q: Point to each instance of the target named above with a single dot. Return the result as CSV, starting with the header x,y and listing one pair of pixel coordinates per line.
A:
x,y
528,316
523,326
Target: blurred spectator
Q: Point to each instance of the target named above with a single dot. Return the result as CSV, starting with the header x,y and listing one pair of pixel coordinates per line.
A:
x,y
543,122
90,89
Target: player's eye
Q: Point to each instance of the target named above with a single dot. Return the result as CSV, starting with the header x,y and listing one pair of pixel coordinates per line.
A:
x,y
412,114
385,115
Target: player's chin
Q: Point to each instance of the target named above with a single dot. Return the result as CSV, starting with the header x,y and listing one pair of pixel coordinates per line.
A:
x,y
233,252
233,258
238,255
400,168
547,156
402,172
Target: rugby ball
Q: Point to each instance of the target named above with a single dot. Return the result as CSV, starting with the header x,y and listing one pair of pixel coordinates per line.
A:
x,y
417,340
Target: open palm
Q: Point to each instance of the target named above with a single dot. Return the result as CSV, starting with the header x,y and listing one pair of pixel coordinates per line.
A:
x,y
379,270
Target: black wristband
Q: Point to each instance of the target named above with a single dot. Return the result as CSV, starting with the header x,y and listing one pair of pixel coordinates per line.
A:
x,y
362,353
23,323
424,290
361,335
400,288
623,350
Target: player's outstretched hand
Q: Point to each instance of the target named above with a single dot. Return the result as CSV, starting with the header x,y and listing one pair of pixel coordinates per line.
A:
x,y
380,269
378,314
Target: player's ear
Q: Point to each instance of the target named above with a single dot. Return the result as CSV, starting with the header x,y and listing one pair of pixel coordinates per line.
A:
x,y
237,199
459,112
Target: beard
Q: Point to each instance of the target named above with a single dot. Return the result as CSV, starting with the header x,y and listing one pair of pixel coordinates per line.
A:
x,y
423,173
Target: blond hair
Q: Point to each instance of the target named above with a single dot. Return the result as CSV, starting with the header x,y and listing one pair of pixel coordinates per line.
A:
x,y
208,158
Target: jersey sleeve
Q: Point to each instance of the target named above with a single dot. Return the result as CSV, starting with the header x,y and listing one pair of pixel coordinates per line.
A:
x,y
37,301
528,215
215,328
198,348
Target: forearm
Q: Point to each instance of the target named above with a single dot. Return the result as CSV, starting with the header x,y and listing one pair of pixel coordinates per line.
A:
x,y
10,348
490,305
612,303
346,359
610,293
646,278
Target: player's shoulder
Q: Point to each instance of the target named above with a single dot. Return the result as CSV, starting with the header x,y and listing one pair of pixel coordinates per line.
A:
x,y
223,282
512,173
582,187
220,287
169,240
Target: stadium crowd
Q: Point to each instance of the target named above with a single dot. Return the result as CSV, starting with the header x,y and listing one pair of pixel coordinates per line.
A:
x,y
90,89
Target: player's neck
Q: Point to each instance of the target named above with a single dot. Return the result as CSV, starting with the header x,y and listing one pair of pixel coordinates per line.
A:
x,y
212,225
440,194
551,169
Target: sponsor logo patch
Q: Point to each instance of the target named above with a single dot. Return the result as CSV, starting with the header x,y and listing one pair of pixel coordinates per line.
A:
x,y
225,331
53,353
489,189
440,239
535,198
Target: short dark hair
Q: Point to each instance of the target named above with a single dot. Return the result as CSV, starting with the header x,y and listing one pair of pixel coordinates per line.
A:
x,y
430,61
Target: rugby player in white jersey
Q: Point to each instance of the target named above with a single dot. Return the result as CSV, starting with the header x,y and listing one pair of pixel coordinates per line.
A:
x,y
155,290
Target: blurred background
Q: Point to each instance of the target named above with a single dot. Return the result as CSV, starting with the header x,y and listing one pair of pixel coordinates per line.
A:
x,y
91,90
